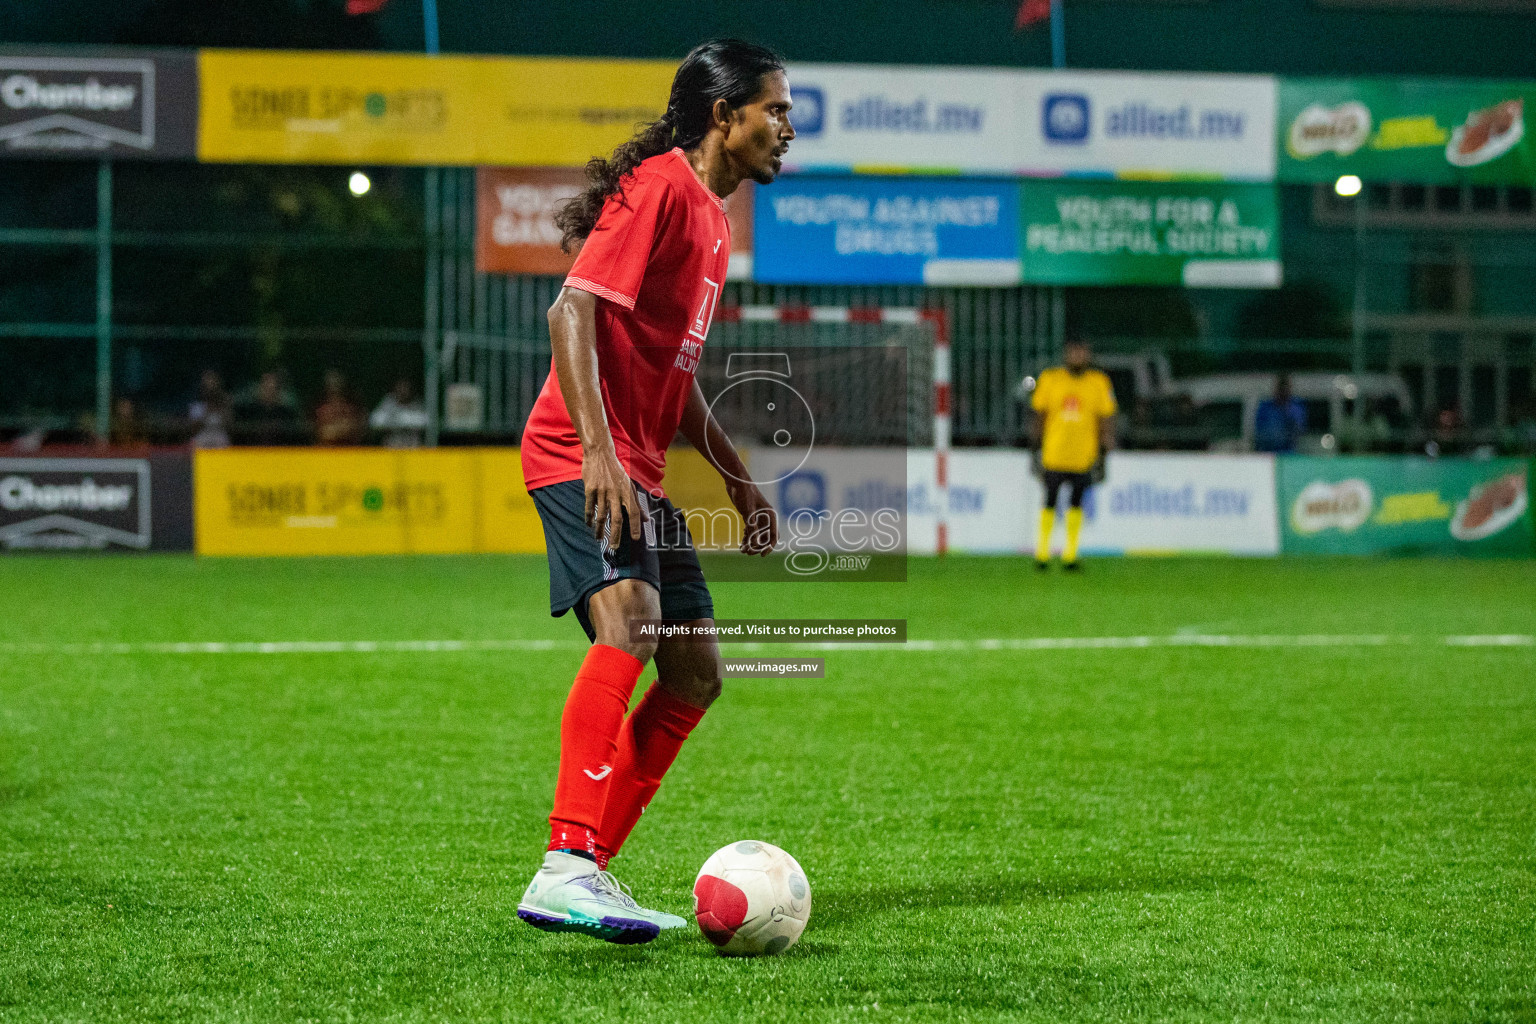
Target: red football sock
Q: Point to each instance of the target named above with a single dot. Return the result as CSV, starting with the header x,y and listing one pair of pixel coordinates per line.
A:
x,y
594,713
648,744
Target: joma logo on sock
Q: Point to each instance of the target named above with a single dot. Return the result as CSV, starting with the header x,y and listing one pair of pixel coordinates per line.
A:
x,y
597,776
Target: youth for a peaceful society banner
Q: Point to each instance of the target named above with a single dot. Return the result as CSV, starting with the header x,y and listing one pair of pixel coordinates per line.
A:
x,y
1200,235
1406,129
1409,505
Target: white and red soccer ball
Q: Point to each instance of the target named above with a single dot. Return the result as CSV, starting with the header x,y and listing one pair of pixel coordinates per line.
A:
x,y
751,898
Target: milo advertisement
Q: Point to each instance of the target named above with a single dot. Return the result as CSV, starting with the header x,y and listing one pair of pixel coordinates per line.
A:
x,y
1430,131
1404,505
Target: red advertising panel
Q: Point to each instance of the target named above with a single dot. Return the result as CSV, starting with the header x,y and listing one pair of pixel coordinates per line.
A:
x,y
515,229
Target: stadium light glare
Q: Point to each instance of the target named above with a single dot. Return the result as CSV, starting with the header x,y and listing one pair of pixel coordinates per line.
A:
x,y
1347,185
359,183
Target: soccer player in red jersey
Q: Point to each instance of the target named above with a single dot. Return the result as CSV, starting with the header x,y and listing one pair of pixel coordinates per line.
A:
x,y
626,332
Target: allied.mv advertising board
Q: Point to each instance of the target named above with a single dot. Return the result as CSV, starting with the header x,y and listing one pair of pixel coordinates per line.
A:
x,y
1149,504
876,119
1148,125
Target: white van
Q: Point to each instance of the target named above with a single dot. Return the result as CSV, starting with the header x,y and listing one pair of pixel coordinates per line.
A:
x,y
1228,404
1133,375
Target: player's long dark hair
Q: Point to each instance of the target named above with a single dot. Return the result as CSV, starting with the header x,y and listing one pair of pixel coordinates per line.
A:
x,y
721,69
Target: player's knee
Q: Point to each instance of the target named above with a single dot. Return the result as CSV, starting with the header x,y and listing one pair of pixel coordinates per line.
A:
x,y
643,650
617,609
701,687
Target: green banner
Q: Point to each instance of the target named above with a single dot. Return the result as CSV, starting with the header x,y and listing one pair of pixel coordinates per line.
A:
x,y
1404,505
1428,131
1196,234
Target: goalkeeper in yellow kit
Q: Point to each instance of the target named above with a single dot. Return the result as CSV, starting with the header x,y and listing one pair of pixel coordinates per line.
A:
x,y
1074,426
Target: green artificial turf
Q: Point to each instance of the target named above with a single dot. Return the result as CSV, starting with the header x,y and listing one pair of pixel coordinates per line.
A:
x,y
1164,834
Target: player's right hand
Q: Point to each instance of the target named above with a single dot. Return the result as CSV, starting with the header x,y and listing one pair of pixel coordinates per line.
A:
x,y
1036,463
610,496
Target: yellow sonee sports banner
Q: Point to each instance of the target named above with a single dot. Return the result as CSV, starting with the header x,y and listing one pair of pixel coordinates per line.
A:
x,y
286,501
264,106
382,501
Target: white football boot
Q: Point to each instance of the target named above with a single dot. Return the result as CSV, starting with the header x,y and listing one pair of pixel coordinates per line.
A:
x,y
570,894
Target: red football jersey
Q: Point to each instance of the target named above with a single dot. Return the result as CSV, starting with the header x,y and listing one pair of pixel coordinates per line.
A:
x,y
657,259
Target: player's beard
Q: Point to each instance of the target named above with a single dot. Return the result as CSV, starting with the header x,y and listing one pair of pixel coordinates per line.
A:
x,y
766,174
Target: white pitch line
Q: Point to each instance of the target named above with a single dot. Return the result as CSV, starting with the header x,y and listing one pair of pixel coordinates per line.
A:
x,y
1039,643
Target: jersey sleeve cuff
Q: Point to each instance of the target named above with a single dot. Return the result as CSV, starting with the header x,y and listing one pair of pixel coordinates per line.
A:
x,y
617,298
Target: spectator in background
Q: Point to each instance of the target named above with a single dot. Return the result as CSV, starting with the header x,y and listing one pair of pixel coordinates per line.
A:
x,y
1280,420
1448,436
210,413
128,428
269,416
400,416
338,419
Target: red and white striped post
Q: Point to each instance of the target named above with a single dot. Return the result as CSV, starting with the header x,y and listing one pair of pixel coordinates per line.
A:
x,y
878,315
941,418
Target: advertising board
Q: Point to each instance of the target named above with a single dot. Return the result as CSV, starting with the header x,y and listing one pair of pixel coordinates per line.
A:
x,y
1424,130
95,504
898,230
875,119
1405,505
136,104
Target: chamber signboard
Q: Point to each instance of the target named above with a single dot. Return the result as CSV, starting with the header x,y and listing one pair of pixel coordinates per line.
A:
x,y
1430,131
107,103
69,504
1405,505
895,230
1200,235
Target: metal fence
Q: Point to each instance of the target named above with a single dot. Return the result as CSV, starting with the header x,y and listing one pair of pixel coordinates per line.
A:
x,y
106,282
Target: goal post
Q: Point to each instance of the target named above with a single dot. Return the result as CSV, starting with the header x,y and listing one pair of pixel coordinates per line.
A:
x,y
866,398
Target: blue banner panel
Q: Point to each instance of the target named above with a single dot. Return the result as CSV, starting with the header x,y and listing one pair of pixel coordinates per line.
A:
x,y
811,230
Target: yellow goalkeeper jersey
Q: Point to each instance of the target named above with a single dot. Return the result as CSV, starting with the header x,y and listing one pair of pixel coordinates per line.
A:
x,y
1073,405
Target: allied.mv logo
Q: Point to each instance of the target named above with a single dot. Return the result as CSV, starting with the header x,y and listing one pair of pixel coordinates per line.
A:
x,y
1064,118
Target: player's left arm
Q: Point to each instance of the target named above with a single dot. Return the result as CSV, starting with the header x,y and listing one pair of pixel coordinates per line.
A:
x,y
760,533
1107,410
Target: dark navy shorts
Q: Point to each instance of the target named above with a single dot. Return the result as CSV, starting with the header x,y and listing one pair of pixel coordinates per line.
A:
x,y
1077,485
580,565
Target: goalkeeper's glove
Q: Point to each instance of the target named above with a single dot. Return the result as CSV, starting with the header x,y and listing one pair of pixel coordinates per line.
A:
x,y
1099,471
